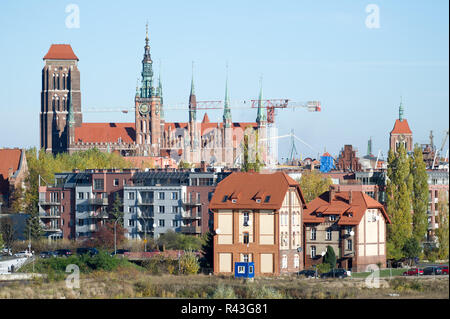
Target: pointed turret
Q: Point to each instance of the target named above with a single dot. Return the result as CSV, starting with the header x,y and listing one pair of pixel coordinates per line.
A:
x,y
160,93
260,116
192,100
400,110
226,106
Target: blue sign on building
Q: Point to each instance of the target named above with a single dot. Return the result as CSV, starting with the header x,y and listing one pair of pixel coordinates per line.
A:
x,y
244,269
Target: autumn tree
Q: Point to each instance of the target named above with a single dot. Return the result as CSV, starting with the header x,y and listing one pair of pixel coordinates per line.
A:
x,y
419,195
398,201
116,210
104,236
313,183
442,231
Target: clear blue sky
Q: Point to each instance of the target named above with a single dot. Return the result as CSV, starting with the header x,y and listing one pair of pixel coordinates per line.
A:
x,y
305,50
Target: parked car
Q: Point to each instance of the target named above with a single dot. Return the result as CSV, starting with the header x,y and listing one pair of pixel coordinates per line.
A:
x,y
63,252
335,273
444,270
6,252
432,270
413,272
120,252
307,273
47,254
90,251
24,253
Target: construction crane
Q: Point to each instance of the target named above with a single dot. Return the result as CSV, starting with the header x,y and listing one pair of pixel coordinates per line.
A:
x,y
440,150
270,104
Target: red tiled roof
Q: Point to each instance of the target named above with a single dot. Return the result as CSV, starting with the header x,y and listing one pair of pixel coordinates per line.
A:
x,y
245,187
401,127
9,163
340,206
60,52
105,133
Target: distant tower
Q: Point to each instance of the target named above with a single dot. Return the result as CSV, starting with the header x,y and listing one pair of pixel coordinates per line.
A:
x,y
369,147
401,133
194,137
261,130
227,129
60,83
147,109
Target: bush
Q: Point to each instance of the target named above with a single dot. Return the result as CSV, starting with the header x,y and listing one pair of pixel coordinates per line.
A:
x,y
223,292
264,293
323,268
189,263
330,257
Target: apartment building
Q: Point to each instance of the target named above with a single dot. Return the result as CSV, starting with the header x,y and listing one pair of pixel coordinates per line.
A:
x,y
79,203
258,218
438,191
352,223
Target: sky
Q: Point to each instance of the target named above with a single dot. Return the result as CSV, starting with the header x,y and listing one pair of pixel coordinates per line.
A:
x,y
358,58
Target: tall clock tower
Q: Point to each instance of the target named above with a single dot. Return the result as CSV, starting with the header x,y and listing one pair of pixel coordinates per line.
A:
x,y
147,109
401,133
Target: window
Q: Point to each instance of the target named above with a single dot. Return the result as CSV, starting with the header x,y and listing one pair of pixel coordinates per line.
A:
x,y
241,269
313,234
313,251
246,218
80,222
246,238
284,262
329,234
80,195
161,195
131,222
130,209
174,195
296,261
349,244
267,199
131,195
161,223
175,223
62,195
116,182
174,209
245,258
98,184
332,218
250,269
161,209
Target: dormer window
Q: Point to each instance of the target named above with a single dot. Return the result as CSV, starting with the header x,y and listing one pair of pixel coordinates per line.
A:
x,y
267,199
225,198
258,200
233,201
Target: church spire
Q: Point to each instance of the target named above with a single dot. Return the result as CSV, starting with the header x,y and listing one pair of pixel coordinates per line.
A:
x,y
147,71
160,92
226,106
260,117
192,99
400,110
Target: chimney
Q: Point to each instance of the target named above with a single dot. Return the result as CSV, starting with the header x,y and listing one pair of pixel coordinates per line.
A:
x,y
350,197
331,193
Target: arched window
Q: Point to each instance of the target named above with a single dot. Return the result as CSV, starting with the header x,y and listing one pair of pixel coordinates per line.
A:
x,y
296,261
57,80
54,81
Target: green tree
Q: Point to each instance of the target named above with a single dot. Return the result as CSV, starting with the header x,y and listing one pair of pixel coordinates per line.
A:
x,y
248,164
442,232
184,165
207,259
330,257
7,231
398,201
116,209
33,227
2,243
411,249
313,183
419,195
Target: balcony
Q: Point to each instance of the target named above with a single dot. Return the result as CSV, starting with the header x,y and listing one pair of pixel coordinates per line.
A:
x,y
51,228
46,215
50,203
98,201
191,202
191,229
188,216
146,201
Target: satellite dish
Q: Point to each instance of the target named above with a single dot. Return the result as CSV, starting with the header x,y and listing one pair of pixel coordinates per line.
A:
x,y
218,231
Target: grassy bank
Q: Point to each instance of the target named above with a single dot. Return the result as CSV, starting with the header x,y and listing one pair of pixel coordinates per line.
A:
x,y
137,282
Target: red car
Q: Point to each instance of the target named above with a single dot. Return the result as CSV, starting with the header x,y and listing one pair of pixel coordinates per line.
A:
x,y
444,270
413,272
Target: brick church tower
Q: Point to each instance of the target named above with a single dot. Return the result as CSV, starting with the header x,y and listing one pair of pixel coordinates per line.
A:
x,y
401,133
148,109
60,89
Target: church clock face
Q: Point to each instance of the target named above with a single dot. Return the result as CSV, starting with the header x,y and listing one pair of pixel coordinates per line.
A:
x,y
143,108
